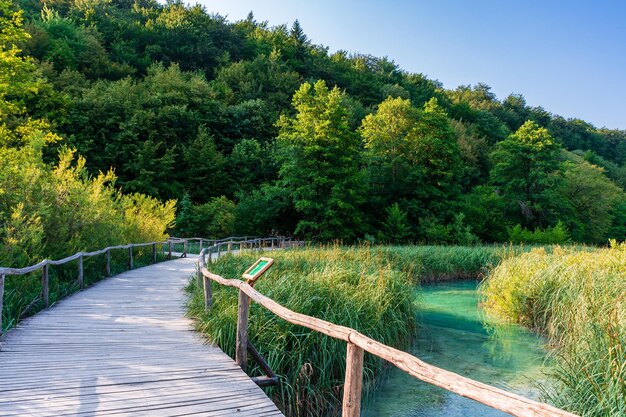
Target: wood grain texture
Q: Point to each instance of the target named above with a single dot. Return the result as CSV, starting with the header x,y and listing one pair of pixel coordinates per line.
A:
x,y
353,384
241,342
123,348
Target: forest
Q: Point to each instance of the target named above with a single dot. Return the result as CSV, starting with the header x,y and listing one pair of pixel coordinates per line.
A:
x,y
126,120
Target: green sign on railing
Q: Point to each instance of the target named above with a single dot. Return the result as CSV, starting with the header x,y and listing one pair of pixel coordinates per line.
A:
x,y
257,269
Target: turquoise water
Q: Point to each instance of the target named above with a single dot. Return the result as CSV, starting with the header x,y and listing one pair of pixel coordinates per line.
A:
x,y
455,335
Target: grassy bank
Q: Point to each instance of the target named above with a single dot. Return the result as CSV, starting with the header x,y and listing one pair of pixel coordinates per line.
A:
x,y
352,287
578,298
441,263
370,289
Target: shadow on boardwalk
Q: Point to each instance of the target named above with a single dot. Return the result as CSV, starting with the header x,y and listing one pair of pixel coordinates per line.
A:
x,y
123,347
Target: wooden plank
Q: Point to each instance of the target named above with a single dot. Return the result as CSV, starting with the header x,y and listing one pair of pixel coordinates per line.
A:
x,y
123,347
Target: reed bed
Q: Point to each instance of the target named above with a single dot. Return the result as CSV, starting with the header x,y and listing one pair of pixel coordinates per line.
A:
x,y
578,299
440,263
354,287
369,288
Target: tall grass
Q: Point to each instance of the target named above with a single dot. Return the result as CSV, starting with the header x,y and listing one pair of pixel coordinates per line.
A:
x,y
371,289
436,263
354,287
578,298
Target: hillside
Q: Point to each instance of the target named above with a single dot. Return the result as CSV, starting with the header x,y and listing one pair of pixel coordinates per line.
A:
x,y
254,130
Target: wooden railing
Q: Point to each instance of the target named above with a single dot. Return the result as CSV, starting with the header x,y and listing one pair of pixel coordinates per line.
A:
x,y
226,244
357,344
243,242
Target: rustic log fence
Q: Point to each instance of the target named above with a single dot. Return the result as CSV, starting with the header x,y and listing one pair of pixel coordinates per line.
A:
x,y
171,244
357,345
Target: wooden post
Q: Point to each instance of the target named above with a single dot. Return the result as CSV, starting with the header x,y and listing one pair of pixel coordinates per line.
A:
x,y
154,253
184,248
45,289
80,272
208,293
130,257
241,344
1,299
353,382
169,255
108,267
272,243
201,262
230,246
218,251
200,250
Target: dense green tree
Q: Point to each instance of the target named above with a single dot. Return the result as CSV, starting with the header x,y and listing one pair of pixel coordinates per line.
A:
x,y
179,100
142,124
436,155
396,227
53,210
527,170
413,158
17,74
484,210
320,157
214,219
389,144
265,77
618,227
612,170
474,151
265,211
591,198
250,165
203,172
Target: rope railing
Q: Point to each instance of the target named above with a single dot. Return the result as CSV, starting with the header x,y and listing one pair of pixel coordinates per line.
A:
x,y
357,344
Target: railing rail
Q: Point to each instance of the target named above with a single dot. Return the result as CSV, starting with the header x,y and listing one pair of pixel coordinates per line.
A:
x,y
357,344
217,245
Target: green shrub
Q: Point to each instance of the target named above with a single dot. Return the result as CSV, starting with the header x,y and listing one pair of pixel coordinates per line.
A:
x,y
548,236
456,232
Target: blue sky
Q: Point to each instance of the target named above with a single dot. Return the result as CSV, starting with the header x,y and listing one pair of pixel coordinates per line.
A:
x,y
567,56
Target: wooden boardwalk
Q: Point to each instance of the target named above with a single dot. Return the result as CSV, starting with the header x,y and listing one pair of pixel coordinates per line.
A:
x,y
123,348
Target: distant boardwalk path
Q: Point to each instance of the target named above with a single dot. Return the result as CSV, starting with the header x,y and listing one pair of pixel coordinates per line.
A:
x,y
123,348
